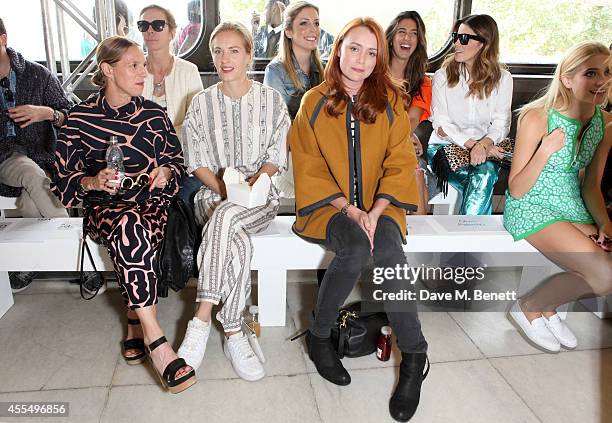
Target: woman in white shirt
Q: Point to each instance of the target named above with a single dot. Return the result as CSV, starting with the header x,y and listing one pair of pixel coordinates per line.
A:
x,y
242,124
171,81
472,96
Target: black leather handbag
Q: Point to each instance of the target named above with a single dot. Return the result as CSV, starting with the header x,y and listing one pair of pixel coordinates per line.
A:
x,y
356,332
179,249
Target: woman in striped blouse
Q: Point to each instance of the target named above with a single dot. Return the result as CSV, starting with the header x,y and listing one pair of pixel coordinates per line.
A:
x,y
242,124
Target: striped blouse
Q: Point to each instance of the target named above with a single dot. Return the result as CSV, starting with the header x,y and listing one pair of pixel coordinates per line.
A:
x,y
242,133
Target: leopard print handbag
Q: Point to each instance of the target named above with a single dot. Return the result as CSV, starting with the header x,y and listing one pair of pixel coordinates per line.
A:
x,y
453,157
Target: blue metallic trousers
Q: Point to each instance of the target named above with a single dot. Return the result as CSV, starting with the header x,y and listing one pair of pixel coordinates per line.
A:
x,y
474,184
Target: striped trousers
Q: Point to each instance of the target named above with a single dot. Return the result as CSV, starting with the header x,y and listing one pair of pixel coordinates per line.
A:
x,y
226,251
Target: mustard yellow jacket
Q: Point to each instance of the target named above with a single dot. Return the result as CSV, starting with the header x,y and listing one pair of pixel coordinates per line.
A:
x,y
323,163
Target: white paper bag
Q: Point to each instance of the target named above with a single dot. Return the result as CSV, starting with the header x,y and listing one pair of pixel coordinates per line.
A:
x,y
239,192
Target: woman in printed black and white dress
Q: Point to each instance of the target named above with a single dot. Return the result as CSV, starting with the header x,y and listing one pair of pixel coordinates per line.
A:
x,y
130,223
242,124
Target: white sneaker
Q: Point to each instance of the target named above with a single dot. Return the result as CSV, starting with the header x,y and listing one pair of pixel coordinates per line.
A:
x,y
535,332
560,330
194,344
244,361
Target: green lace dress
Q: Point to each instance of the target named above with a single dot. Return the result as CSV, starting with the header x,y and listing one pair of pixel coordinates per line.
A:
x,y
556,194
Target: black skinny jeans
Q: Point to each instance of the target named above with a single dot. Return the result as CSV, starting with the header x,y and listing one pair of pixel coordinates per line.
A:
x,y
352,248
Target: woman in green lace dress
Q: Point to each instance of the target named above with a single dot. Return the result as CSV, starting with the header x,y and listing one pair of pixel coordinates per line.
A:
x,y
551,205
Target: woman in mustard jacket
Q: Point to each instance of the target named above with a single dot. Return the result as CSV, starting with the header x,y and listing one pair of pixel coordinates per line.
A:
x,y
354,179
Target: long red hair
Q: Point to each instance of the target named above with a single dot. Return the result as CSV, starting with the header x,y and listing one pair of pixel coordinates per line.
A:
x,y
373,94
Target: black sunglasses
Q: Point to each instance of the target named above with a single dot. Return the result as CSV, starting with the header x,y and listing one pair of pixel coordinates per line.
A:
x,y
8,94
464,39
158,25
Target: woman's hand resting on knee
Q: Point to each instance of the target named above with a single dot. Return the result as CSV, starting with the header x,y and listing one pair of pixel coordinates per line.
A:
x,y
604,238
364,221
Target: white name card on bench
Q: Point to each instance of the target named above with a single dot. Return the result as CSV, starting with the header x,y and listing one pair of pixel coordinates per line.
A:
x,y
470,223
38,230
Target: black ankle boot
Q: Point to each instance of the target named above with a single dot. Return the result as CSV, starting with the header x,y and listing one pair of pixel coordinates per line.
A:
x,y
324,356
405,400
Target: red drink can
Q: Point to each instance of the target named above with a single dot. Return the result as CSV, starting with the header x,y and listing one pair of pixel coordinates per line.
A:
x,y
383,346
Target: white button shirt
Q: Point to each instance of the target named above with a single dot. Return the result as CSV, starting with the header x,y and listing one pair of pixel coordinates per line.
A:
x,y
463,118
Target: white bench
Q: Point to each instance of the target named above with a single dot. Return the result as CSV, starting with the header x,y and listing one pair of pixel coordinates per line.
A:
x,y
53,245
7,203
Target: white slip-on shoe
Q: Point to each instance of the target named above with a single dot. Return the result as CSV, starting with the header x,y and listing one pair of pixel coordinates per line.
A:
x,y
561,331
244,361
194,344
535,332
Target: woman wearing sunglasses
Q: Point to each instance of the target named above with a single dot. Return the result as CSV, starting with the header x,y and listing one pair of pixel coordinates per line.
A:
x,y
561,214
242,124
407,46
171,81
355,204
472,96
130,221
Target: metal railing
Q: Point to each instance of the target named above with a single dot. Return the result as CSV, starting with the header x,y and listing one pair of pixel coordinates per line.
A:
x,y
56,39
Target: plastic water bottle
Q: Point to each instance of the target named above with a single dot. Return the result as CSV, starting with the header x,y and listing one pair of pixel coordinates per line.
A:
x,y
114,159
253,320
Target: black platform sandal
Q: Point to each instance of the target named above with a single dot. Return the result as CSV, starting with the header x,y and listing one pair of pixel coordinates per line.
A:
x,y
168,378
134,344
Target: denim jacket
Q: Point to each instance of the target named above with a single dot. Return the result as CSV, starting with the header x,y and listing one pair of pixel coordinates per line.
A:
x,y
276,76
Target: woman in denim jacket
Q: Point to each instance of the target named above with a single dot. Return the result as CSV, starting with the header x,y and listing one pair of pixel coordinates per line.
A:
x,y
297,68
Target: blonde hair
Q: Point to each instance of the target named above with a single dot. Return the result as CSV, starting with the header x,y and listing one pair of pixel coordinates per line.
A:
x,y
557,95
169,16
110,51
486,70
609,125
285,52
238,28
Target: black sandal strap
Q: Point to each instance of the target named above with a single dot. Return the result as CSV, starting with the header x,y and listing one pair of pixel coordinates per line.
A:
x,y
299,335
133,321
171,369
157,343
134,344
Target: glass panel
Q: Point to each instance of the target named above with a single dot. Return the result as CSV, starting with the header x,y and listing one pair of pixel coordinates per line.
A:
x,y
23,21
437,14
187,14
24,29
540,31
